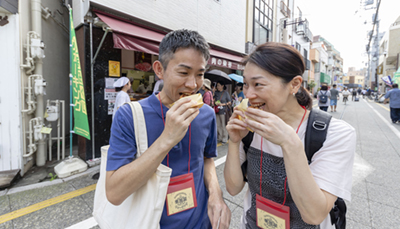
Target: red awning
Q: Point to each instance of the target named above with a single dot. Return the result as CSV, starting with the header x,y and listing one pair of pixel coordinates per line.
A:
x,y
132,37
130,29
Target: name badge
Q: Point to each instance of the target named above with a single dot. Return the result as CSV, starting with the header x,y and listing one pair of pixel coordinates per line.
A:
x,y
181,194
272,215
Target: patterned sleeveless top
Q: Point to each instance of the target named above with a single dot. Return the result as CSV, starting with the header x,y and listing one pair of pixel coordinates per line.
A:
x,y
273,179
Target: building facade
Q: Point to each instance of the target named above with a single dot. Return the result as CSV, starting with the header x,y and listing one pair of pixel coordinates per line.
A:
x,y
389,54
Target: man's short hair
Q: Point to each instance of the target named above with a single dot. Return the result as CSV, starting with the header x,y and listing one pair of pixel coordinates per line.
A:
x,y
182,38
395,85
334,85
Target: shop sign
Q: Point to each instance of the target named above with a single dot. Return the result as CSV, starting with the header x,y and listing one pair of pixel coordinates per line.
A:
x,y
225,63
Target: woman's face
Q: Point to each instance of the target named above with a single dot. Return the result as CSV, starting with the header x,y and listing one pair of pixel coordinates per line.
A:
x,y
264,90
220,87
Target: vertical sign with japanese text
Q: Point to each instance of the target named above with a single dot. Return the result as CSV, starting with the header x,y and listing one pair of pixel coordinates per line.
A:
x,y
81,124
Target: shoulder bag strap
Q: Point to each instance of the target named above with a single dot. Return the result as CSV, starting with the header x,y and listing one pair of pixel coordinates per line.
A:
x,y
140,128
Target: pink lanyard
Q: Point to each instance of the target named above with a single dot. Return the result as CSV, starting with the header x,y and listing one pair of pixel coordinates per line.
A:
x,y
190,134
284,199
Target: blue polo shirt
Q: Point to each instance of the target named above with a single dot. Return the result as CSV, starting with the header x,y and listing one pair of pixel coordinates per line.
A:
x,y
394,96
203,144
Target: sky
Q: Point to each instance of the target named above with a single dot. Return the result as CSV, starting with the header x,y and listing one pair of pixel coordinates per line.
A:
x,y
338,22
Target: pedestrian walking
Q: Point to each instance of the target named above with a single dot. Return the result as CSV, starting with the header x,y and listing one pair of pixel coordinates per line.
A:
x,y
334,97
207,96
353,94
182,137
276,158
393,97
223,102
322,97
237,95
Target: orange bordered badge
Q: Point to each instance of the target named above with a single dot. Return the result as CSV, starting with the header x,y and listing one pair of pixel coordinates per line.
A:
x,y
271,215
181,194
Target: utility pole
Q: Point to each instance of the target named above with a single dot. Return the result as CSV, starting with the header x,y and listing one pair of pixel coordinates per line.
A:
x,y
373,55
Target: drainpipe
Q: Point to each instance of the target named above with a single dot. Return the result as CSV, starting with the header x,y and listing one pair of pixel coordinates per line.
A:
x,y
36,8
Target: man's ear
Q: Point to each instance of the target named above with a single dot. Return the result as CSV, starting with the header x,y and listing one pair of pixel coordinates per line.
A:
x,y
296,83
158,69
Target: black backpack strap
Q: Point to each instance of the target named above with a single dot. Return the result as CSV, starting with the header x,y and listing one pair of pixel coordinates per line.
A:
x,y
246,145
317,128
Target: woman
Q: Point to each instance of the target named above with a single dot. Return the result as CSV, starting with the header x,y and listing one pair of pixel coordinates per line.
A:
x,y
207,96
237,95
322,97
122,85
272,82
222,100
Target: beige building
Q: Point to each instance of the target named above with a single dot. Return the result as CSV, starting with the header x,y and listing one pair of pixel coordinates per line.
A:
x,y
355,78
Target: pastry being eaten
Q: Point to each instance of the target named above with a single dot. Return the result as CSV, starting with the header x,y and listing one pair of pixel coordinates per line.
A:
x,y
243,106
195,97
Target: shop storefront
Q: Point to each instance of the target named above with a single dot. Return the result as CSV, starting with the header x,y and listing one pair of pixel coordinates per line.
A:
x,y
126,49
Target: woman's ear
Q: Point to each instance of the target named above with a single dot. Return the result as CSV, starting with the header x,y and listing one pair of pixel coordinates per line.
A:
x,y
158,69
296,83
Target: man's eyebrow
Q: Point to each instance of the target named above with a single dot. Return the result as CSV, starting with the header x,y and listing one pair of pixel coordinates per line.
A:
x,y
190,68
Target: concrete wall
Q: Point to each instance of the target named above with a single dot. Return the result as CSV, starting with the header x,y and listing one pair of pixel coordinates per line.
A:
x,y
222,23
55,36
10,105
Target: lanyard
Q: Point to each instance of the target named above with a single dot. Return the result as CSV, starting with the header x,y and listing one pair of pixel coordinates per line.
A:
x,y
284,199
190,134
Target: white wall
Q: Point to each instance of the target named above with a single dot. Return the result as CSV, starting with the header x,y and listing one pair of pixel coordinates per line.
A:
x,y
10,108
221,23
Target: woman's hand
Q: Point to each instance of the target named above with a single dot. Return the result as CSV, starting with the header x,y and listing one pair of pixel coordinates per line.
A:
x,y
269,126
237,129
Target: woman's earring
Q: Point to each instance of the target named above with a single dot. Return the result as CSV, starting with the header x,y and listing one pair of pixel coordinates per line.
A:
x,y
294,94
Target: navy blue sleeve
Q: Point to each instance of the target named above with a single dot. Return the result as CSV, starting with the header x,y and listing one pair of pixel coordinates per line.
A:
x,y
122,149
211,144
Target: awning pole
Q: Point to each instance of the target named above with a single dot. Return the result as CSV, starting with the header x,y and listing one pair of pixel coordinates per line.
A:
x,y
92,88
92,78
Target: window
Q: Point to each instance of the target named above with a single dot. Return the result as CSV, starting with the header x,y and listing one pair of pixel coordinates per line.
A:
x,y
317,67
298,47
263,15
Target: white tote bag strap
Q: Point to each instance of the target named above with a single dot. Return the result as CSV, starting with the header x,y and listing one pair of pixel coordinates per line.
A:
x,y
140,128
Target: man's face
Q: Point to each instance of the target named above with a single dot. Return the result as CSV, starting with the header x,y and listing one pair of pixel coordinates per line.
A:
x,y
184,74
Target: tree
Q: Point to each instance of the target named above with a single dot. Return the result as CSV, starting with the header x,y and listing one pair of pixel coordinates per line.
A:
x,y
311,85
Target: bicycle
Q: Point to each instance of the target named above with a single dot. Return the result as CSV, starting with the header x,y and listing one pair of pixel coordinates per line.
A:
x,y
345,98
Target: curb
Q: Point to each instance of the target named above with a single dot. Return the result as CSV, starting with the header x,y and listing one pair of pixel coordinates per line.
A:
x,y
91,170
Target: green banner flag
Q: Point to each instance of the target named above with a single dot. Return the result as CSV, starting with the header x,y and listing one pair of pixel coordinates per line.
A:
x,y
81,124
396,77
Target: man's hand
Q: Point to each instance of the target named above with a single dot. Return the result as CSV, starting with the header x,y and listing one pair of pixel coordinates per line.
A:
x,y
218,212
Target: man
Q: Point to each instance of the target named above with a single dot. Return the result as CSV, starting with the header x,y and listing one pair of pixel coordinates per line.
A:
x,y
178,136
353,94
393,96
333,98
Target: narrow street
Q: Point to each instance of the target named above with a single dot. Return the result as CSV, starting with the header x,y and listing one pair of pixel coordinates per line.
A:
x,y
69,203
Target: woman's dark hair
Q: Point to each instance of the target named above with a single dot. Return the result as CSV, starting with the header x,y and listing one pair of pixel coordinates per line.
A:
x,y
283,61
117,89
324,87
222,83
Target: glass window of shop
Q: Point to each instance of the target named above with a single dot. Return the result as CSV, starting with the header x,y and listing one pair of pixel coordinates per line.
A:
x,y
138,66
263,15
